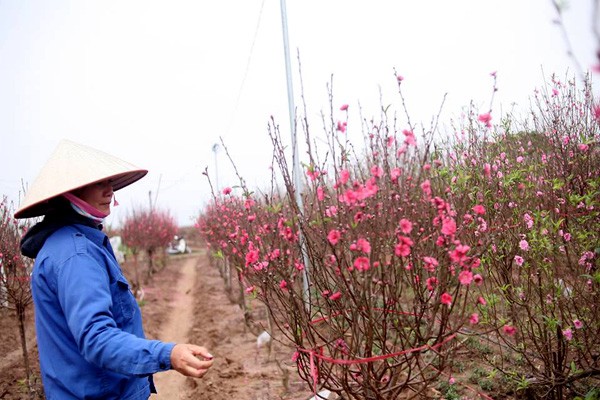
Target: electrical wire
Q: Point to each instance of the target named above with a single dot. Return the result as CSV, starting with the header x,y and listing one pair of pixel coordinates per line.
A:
x,y
248,61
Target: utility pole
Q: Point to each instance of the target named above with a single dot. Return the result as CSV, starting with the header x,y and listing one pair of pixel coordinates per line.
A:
x,y
296,174
215,149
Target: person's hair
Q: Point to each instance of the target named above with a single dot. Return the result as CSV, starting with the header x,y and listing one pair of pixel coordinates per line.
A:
x,y
57,205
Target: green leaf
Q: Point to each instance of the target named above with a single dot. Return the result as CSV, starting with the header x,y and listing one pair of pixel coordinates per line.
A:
x,y
218,254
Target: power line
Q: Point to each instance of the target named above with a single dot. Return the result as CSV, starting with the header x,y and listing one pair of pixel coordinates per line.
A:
x,y
239,95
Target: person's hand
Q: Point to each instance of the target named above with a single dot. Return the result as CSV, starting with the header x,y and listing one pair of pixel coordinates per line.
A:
x,y
191,360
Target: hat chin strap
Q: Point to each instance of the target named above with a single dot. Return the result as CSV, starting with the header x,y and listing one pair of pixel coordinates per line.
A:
x,y
84,208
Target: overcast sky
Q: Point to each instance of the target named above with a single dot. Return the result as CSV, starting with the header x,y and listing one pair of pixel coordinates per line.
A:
x,y
158,82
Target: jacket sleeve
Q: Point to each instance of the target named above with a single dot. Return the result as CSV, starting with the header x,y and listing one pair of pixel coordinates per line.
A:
x,y
84,292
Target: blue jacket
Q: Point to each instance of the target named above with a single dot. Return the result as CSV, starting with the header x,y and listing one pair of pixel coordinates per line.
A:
x,y
89,327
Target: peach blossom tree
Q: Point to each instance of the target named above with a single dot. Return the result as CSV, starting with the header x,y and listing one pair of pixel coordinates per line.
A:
x,y
148,231
15,278
392,261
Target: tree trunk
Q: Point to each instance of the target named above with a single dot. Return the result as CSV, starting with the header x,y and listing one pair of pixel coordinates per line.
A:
x,y
227,270
137,286
242,300
21,322
150,254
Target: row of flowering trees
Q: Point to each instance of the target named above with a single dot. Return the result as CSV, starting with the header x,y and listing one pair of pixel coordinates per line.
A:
x,y
415,249
541,187
148,231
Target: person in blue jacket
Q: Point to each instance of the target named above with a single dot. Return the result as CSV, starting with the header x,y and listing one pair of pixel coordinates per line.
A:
x,y
88,325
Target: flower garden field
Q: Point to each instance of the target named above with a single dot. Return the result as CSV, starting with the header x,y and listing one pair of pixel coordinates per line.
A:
x,y
416,264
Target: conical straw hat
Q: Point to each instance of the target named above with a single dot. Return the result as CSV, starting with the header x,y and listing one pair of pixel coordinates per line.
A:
x,y
70,167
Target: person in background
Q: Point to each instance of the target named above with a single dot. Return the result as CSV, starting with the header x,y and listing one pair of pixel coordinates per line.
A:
x,y
88,324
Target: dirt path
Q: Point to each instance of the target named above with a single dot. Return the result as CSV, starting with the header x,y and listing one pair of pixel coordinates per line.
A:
x,y
187,302
238,372
171,384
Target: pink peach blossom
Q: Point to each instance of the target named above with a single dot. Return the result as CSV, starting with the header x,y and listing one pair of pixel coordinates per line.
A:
x,y
479,209
334,236
474,319
248,203
440,241
313,173
486,118
487,170
467,219
395,174
528,220
402,248
363,245
509,330
448,226
335,296
596,112
459,254
405,226
251,257
431,283
331,211
519,260
362,263
446,299
359,216
320,193
465,277
430,263
401,150
376,171
524,245
344,176
409,138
